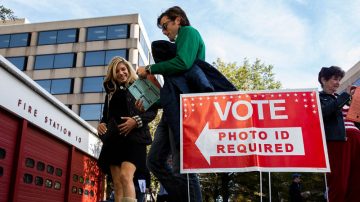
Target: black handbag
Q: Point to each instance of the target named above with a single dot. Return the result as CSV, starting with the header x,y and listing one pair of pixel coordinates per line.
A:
x,y
112,130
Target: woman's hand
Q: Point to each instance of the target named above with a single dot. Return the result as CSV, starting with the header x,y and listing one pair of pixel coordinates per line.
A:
x,y
126,127
102,128
351,89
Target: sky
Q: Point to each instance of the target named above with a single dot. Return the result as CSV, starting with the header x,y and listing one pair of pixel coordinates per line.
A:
x,y
296,37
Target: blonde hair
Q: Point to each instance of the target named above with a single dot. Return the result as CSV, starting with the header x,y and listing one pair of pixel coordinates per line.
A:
x,y
110,78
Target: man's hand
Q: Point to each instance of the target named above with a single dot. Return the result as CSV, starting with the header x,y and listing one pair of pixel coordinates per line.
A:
x,y
141,72
139,105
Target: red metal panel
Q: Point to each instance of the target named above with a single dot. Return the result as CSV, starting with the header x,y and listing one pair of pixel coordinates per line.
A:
x,y
9,129
84,184
47,152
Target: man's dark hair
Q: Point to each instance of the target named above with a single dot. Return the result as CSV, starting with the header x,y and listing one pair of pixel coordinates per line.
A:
x,y
328,72
172,13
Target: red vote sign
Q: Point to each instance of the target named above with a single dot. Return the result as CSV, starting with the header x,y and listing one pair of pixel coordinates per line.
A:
x,y
272,131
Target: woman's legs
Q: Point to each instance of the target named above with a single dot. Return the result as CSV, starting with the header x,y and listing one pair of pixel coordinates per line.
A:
x,y
123,180
118,189
126,176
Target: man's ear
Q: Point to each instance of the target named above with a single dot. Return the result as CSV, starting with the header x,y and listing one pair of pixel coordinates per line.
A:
x,y
178,20
322,79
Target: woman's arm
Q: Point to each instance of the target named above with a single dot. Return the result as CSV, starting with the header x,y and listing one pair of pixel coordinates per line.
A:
x,y
330,106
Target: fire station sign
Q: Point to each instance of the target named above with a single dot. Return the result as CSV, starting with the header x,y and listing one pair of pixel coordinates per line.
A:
x,y
269,131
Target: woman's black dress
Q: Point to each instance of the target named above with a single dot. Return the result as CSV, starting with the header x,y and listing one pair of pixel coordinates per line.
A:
x,y
120,148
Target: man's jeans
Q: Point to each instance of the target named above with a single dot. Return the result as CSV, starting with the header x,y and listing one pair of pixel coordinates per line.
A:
x,y
175,184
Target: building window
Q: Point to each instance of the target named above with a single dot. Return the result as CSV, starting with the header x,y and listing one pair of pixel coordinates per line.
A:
x,y
45,84
30,163
357,82
92,194
91,112
1,171
92,84
58,36
140,61
19,62
107,32
39,181
57,86
61,86
28,178
48,183
96,33
117,32
68,36
102,58
14,40
58,172
4,40
19,40
144,45
112,53
2,153
151,59
95,58
86,192
48,37
50,169
80,191
44,62
65,60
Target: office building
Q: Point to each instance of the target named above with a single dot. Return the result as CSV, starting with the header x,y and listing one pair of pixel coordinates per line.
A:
x,y
69,58
352,77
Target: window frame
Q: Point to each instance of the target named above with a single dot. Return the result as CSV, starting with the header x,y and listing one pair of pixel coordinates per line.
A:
x,y
105,56
90,36
91,118
51,61
51,88
84,81
57,37
25,60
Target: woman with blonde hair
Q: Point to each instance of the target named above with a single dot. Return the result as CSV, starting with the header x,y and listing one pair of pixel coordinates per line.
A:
x,y
124,149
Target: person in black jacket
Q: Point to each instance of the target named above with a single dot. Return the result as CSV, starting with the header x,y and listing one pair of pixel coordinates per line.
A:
x,y
338,149
295,188
124,151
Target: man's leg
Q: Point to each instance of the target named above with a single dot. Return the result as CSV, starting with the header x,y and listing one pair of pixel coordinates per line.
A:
x,y
193,190
157,160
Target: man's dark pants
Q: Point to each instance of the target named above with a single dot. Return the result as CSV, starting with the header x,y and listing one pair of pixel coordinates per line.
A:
x,y
175,184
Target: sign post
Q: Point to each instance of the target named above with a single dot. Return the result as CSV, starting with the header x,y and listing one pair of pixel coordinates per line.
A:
x,y
266,131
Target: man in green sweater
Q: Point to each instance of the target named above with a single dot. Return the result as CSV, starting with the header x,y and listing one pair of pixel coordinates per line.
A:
x,y
189,44
189,47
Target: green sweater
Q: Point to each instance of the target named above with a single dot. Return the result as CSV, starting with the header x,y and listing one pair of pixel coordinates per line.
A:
x,y
189,47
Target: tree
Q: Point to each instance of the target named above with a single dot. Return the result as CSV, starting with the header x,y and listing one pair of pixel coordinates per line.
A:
x,y
6,14
239,186
257,76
